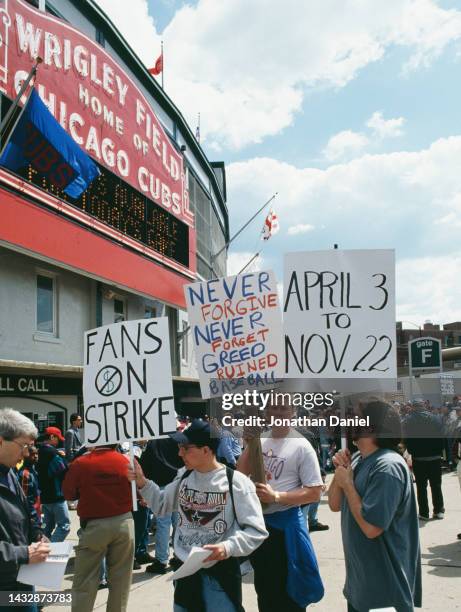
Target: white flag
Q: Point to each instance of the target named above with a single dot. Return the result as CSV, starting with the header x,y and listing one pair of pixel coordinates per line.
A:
x,y
271,225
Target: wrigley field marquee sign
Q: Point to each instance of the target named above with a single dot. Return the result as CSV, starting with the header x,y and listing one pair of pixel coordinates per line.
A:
x,y
94,100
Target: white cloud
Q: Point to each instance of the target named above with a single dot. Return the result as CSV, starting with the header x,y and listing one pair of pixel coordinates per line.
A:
x,y
345,144
389,200
136,25
301,228
348,144
382,128
231,60
427,289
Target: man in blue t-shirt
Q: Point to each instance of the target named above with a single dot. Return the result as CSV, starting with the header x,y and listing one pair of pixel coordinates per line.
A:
x,y
379,522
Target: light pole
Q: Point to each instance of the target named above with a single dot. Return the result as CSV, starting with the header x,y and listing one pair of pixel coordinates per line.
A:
x,y
410,372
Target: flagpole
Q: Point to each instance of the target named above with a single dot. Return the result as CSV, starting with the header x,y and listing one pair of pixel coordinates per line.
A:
x,y
16,101
181,334
213,257
197,131
249,262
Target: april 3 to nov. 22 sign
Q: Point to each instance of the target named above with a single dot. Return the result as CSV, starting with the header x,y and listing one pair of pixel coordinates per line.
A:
x,y
339,314
127,384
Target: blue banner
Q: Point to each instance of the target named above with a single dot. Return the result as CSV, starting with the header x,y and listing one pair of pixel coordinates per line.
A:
x,y
40,141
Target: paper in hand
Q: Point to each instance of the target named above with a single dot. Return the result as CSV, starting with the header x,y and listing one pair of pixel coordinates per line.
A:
x,y
49,573
193,563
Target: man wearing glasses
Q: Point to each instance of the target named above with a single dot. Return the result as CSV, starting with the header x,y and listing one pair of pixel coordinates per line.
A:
x,y
20,543
218,510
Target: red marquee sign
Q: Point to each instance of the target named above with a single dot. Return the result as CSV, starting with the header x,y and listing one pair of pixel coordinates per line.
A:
x,y
95,101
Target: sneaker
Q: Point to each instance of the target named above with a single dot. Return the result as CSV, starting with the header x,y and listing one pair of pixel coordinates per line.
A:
x,y
459,536
438,515
145,558
103,585
422,517
136,565
318,527
175,563
157,567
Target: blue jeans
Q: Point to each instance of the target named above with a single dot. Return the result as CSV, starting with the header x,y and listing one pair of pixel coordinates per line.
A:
x,y
324,456
56,515
103,571
25,608
141,533
310,513
213,596
162,536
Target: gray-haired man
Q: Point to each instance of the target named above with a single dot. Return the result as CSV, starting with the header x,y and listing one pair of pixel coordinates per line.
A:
x,y
19,541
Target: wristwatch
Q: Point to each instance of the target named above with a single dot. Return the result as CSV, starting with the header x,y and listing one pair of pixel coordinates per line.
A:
x,y
276,497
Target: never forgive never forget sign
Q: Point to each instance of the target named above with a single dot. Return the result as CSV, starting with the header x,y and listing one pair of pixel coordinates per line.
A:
x,y
127,384
236,330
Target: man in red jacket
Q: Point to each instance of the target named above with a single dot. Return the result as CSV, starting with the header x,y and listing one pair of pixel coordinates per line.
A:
x,y
99,480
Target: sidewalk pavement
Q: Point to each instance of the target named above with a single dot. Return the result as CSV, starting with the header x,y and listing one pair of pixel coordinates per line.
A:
x,y
441,559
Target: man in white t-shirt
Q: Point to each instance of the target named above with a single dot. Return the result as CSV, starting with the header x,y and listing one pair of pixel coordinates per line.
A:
x,y
285,567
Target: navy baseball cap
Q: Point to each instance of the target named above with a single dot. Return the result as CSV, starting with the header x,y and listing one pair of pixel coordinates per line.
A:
x,y
198,433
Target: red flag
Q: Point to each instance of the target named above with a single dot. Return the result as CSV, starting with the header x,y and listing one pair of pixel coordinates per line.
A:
x,y
157,69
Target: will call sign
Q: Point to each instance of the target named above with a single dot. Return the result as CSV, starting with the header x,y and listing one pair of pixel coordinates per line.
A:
x,y
95,101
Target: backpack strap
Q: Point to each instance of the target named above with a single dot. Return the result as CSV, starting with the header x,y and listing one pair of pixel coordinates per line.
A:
x,y
230,480
185,475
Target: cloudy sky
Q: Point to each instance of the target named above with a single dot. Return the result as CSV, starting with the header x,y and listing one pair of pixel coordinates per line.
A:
x,y
349,109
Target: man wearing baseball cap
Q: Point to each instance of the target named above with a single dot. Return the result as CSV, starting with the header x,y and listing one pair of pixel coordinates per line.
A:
x,y
218,510
51,468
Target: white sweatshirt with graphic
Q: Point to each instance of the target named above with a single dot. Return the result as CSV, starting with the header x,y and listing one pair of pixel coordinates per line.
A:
x,y
205,511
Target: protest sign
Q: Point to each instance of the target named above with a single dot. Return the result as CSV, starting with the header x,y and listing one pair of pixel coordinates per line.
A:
x,y
236,330
127,384
339,315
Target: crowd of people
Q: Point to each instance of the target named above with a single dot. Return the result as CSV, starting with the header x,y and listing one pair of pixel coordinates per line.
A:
x,y
201,487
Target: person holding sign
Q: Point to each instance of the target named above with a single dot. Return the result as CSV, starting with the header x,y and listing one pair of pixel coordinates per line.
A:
x,y
218,511
286,574
379,523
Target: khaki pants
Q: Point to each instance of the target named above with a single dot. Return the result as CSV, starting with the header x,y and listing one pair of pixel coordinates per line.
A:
x,y
112,538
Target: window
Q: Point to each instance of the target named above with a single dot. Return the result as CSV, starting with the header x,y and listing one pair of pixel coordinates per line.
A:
x,y
100,38
210,234
150,312
119,310
184,341
46,304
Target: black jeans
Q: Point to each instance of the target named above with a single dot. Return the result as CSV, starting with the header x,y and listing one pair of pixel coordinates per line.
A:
x,y
270,566
428,471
